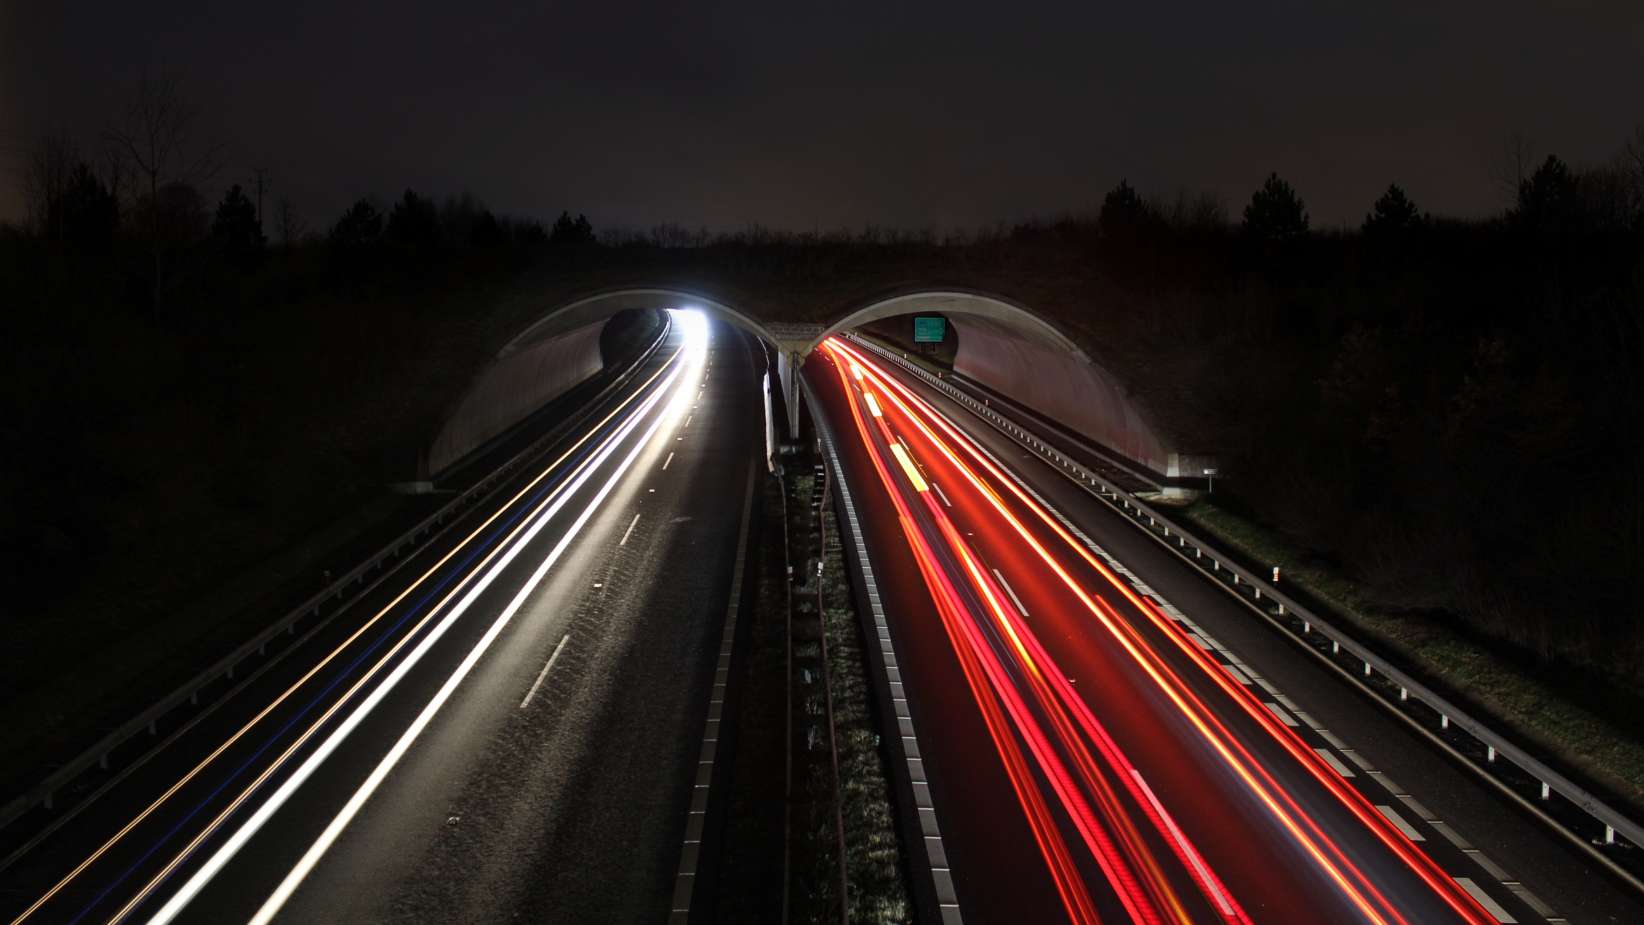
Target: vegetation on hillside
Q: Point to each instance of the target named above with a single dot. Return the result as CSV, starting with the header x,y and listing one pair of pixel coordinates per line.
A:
x,y
1449,408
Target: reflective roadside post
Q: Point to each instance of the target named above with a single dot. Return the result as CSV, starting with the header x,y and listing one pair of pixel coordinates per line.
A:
x,y
1210,473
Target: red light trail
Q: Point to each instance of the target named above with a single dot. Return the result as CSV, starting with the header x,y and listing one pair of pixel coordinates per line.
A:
x,y
1080,773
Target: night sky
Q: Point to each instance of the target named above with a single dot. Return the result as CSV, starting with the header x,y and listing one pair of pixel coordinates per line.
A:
x,y
827,115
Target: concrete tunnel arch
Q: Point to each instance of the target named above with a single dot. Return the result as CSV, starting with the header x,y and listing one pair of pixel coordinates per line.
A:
x,y
1004,345
554,353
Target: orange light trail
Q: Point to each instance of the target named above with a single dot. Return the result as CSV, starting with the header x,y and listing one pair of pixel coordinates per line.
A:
x,y
353,637
1147,897
1355,885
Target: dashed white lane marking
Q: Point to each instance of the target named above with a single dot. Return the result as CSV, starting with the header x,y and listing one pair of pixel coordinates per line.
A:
x,y
544,673
940,494
628,532
1399,821
688,418
1490,866
665,462
1284,717
1532,900
1334,762
1010,591
1490,905
1208,643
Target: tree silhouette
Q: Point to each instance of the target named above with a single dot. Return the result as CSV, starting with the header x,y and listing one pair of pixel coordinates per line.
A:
x,y
414,223
1393,214
88,214
1125,213
486,232
568,231
47,172
1548,200
158,143
1275,212
358,227
236,230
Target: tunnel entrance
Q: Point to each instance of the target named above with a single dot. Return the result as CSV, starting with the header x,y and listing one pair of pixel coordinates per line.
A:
x,y
1001,346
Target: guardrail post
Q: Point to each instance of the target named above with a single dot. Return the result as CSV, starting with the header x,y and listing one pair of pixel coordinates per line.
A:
x,y
1335,647
1546,790
1307,626
1609,835
1404,694
1490,754
1444,721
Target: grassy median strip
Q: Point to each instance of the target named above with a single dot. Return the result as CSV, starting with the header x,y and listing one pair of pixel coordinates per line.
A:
x,y
1538,704
874,855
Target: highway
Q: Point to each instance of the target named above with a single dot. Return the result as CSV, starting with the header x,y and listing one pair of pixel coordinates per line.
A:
x,y
1107,739
507,729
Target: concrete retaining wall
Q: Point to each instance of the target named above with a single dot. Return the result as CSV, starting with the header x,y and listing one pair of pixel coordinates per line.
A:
x,y
512,388
1060,386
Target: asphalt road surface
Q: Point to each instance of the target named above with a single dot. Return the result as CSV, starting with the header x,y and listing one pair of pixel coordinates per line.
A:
x,y
507,730
1108,736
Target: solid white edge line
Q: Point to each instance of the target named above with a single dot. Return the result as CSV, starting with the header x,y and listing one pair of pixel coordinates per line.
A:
x,y
544,673
629,532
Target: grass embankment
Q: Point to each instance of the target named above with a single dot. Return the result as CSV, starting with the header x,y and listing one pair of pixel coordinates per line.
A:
x,y
1585,719
176,484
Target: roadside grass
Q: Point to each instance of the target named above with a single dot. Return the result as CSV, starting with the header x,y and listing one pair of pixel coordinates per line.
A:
x,y
1532,701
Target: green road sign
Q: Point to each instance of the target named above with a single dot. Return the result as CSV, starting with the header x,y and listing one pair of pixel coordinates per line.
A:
x,y
929,329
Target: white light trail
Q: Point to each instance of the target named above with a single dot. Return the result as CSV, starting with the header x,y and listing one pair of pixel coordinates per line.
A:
x,y
696,338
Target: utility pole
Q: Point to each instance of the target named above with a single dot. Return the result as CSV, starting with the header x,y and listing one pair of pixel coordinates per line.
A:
x,y
261,173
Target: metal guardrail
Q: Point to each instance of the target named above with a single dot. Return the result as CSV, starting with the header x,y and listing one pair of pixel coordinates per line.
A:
x,y
1609,827
935,896
349,586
